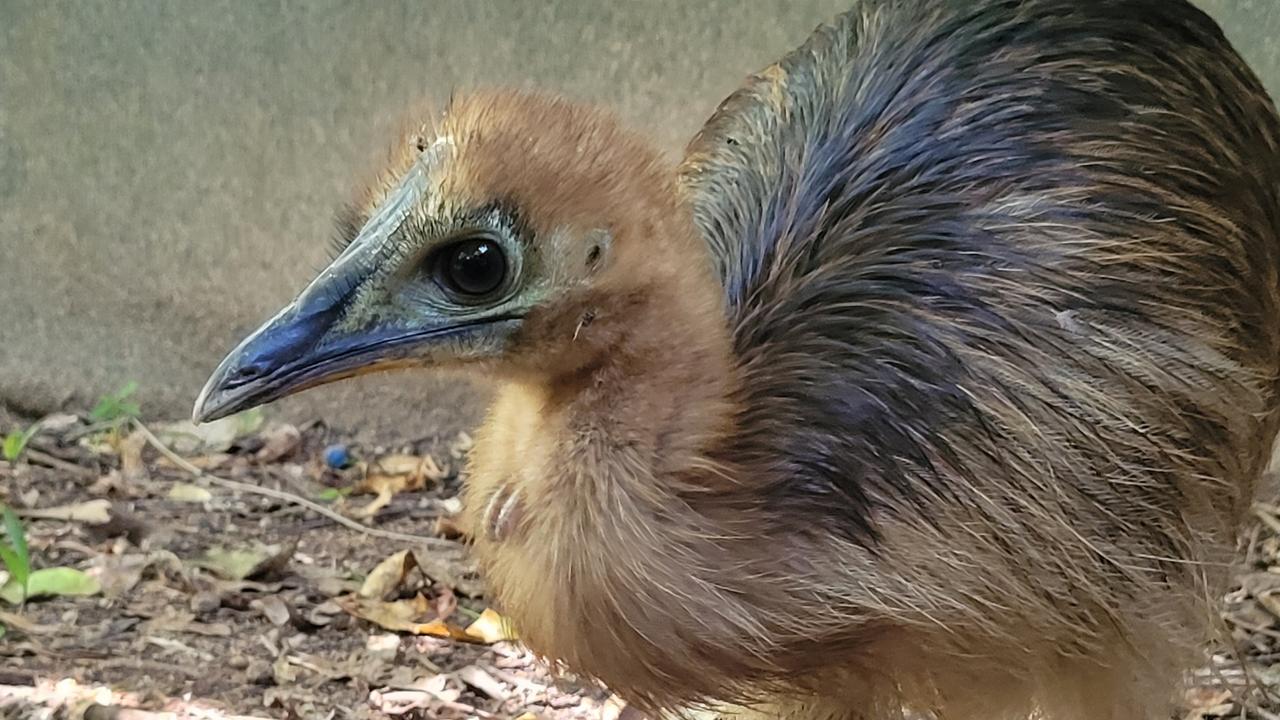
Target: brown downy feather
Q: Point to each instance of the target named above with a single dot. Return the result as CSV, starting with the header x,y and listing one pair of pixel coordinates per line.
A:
x,y
939,376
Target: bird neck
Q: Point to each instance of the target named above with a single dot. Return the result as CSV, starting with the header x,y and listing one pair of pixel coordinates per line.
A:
x,y
591,480
660,381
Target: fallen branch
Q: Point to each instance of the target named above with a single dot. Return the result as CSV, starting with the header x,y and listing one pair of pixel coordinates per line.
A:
x,y
179,461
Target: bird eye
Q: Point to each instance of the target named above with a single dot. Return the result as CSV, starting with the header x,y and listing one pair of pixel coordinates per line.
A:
x,y
473,267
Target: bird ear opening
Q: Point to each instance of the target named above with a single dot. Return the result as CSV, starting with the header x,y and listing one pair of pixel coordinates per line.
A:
x,y
599,243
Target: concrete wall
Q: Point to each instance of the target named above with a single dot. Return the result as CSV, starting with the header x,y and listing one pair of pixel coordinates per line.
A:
x,y
168,169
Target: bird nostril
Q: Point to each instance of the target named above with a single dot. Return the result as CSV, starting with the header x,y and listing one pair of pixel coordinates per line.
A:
x,y
248,373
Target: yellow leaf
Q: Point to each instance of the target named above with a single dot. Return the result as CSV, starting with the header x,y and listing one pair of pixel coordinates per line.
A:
x,y
491,627
418,468
401,615
387,576
408,616
186,492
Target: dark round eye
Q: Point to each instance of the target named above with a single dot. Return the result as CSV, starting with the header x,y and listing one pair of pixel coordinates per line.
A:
x,y
475,266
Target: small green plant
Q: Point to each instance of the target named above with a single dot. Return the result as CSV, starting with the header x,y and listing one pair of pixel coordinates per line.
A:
x,y
14,553
24,583
16,441
116,406
333,494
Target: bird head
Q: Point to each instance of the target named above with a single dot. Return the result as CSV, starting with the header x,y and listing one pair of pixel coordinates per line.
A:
x,y
514,237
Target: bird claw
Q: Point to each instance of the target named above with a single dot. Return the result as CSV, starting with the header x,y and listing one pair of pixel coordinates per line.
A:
x,y
503,513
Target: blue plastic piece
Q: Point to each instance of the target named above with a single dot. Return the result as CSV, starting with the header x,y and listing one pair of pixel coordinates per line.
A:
x,y
337,456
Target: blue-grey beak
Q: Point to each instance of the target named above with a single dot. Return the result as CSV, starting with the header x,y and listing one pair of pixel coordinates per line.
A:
x,y
297,349
314,340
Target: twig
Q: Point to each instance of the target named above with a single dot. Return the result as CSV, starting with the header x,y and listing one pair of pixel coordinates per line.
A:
x,y
1266,513
86,430
40,457
178,460
105,660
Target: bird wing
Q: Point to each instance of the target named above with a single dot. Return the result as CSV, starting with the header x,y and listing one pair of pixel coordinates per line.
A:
x,y
828,362
936,219
741,165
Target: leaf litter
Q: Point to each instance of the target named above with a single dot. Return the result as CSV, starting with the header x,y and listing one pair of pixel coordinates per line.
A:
x,y
215,602
212,599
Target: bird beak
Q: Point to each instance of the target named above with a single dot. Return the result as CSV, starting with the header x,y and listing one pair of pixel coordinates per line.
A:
x,y
317,338
305,345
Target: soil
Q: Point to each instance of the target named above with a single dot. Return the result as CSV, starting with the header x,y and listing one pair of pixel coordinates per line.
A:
x,y
218,601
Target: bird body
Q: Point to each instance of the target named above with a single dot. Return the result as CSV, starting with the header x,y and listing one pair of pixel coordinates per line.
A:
x,y
939,376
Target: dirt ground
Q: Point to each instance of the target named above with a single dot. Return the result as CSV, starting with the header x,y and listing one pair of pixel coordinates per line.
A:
x,y
222,591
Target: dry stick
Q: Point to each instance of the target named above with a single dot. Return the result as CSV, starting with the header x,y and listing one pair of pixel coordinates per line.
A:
x,y
1267,514
431,542
39,457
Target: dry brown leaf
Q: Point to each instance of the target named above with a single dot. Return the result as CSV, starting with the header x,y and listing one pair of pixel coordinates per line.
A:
x,y
395,474
385,579
273,608
409,616
385,486
278,443
419,468
400,615
132,468
490,628
94,511
322,614
118,574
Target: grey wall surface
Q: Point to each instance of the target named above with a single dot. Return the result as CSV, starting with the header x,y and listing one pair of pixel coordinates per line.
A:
x,y
168,170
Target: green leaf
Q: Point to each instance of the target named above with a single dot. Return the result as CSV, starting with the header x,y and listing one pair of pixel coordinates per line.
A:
x,y
332,494
249,421
59,581
232,564
16,557
116,406
16,441
13,444
13,564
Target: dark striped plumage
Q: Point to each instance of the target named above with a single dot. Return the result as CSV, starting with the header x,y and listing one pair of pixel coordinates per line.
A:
x,y
1023,197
